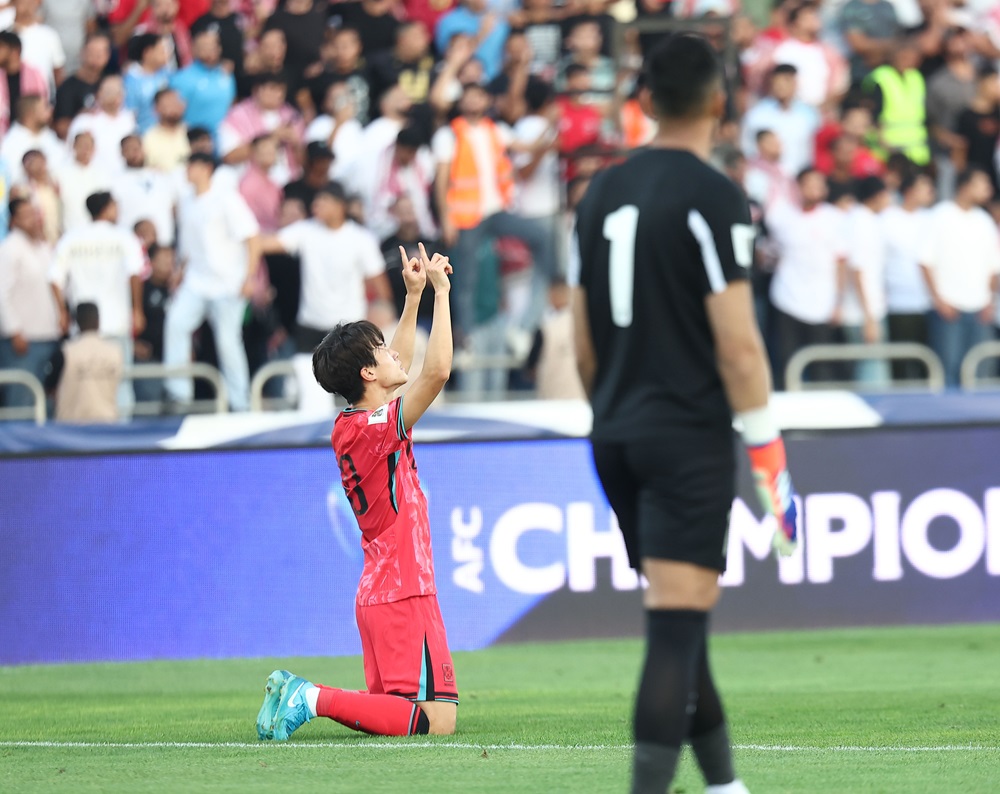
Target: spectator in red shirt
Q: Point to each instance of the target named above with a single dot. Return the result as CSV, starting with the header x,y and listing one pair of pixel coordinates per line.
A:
x,y
579,122
855,122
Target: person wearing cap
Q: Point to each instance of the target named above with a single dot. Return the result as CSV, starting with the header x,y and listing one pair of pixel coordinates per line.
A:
x,y
219,253
864,309
341,264
101,263
793,121
265,113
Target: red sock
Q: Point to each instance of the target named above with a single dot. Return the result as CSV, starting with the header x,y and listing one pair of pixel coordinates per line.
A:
x,y
383,715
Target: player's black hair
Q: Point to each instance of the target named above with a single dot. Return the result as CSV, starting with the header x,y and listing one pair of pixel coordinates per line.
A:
x,y
343,353
139,45
88,317
682,71
98,202
868,188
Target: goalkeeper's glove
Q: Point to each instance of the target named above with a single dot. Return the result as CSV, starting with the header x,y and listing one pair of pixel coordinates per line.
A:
x,y
770,474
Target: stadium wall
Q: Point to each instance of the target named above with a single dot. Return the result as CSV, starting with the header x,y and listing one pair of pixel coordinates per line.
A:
x,y
254,552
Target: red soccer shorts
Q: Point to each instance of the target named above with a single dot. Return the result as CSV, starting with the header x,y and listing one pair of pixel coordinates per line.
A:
x,y
405,650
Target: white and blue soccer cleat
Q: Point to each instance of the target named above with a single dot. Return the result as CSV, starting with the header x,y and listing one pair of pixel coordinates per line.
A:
x,y
268,710
293,710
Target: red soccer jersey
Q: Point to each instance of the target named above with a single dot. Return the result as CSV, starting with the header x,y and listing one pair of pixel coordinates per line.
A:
x,y
379,474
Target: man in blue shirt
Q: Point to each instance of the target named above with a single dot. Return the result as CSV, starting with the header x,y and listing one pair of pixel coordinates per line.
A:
x,y
207,88
146,75
489,31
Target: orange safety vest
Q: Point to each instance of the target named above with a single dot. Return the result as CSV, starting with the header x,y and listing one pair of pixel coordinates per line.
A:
x,y
636,125
464,202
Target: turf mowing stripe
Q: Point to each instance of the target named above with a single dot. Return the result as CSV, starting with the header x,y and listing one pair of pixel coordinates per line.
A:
x,y
946,748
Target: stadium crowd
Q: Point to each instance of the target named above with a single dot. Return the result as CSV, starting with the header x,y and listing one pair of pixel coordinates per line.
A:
x,y
228,179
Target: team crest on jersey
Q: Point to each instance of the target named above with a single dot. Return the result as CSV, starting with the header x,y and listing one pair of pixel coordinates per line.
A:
x,y
449,673
379,416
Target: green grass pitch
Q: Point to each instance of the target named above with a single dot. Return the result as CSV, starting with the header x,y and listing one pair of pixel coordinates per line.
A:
x,y
874,710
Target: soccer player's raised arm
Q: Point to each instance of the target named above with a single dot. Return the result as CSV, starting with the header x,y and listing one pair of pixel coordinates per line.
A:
x,y
437,363
415,279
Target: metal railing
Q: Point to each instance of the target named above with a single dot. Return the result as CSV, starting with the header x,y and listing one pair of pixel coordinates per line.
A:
x,y
886,351
20,377
464,361
969,376
273,369
196,370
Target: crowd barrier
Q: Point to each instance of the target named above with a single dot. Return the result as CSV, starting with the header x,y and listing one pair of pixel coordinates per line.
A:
x,y
181,543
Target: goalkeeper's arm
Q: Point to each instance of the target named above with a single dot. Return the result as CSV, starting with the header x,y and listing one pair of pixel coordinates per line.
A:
x,y
746,377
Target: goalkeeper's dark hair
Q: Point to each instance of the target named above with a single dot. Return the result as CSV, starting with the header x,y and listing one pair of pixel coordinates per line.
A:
x,y
343,353
682,73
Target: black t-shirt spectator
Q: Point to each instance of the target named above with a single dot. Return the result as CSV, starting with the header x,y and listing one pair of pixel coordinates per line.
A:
x,y
304,34
230,36
154,306
980,131
73,96
377,33
386,70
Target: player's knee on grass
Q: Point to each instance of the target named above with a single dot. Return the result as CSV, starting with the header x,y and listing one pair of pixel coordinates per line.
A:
x,y
441,717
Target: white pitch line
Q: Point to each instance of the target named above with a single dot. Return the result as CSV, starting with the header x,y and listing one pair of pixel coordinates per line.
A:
x,y
774,748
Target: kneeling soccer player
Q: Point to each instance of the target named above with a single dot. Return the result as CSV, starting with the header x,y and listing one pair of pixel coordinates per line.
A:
x,y
408,667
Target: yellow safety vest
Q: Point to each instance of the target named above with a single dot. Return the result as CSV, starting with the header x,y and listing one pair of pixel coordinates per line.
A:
x,y
903,118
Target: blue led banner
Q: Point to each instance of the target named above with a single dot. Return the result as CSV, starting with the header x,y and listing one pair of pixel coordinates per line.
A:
x,y
197,554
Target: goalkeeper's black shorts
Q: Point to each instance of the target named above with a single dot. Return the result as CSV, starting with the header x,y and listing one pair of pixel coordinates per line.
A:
x,y
672,498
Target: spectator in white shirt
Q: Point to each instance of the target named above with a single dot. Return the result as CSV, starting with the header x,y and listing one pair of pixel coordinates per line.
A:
x,y
108,122
765,180
142,192
334,288
219,251
40,44
863,315
905,290
822,72
30,132
405,170
29,318
792,120
960,257
79,178
340,131
100,263
809,279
